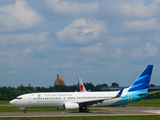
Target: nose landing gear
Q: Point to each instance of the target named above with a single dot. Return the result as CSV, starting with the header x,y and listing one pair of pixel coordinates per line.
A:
x,y
25,111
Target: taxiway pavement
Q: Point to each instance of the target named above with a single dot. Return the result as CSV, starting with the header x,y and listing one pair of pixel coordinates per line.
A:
x,y
103,111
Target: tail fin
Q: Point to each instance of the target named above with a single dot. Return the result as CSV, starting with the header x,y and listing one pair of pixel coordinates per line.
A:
x,y
142,82
81,86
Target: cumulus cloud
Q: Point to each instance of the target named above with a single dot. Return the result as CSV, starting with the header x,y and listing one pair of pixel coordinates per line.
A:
x,y
98,48
134,9
157,37
118,40
63,65
75,8
23,38
157,1
27,51
118,53
18,16
143,25
82,30
14,72
149,50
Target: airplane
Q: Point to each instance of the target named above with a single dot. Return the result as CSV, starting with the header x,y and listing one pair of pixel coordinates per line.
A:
x,y
82,100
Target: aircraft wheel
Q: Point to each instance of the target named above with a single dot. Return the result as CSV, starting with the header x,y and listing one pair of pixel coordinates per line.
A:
x,y
123,105
86,110
25,111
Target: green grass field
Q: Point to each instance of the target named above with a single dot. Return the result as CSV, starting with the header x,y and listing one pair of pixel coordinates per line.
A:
x,y
146,102
4,102
93,118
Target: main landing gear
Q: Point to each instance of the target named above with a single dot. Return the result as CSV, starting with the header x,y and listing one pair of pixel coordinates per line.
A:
x,y
124,105
83,109
25,111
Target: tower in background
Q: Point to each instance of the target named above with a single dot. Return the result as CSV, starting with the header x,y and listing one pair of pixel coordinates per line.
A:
x,y
59,81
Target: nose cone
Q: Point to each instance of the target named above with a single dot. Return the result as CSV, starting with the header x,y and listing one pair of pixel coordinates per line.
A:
x,y
12,102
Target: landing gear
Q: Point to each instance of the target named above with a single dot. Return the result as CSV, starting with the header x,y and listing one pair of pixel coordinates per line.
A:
x,y
83,109
86,110
25,111
123,105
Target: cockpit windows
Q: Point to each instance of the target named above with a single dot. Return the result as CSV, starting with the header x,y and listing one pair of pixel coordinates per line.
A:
x,y
19,98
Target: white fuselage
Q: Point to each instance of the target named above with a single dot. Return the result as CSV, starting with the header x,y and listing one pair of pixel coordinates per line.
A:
x,y
57,99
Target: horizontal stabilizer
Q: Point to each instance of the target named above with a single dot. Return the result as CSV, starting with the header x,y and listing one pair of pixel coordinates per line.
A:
x,y
149,93
119,94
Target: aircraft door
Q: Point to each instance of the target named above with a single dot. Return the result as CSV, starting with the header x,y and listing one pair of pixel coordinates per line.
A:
x,y
29,99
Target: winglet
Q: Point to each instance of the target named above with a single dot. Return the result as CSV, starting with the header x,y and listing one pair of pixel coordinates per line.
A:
x,y
119,94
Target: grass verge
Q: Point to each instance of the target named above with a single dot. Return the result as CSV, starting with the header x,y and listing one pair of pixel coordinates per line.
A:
x,y
146,103
93,118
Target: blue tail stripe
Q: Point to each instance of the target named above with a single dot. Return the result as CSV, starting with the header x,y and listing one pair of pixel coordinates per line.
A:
x,y
147,71
143,86
136,85
143,80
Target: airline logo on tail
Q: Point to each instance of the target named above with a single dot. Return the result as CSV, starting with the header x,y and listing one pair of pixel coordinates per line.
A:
x,y
81,88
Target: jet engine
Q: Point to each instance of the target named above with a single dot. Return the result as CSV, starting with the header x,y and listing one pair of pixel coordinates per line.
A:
x,y
71,106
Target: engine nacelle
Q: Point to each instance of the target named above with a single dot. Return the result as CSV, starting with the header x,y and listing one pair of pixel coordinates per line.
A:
x,y
71,106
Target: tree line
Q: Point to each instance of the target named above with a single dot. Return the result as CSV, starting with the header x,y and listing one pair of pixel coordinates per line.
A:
x,y
9,93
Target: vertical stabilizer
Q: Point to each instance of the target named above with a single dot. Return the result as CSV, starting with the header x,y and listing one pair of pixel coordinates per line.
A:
x,y
143,81
81,86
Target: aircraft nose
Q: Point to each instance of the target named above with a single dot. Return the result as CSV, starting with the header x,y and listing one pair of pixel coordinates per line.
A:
x,y
12,102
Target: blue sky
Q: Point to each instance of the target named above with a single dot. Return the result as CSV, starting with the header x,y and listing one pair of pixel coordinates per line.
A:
x,y
101,41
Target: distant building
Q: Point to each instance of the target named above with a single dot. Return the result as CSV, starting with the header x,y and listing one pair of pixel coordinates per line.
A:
x,y
59,81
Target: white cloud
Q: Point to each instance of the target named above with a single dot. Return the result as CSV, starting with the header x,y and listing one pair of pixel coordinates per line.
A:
x,y
143,25
118,53
66,7
157,37
23,38
82,30
27,51
150,50
135,9
98,48
14,72
63,65
118,40
157,1
18,16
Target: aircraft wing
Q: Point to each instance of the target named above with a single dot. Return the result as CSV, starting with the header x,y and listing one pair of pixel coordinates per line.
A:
x,y
149,93
88,103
